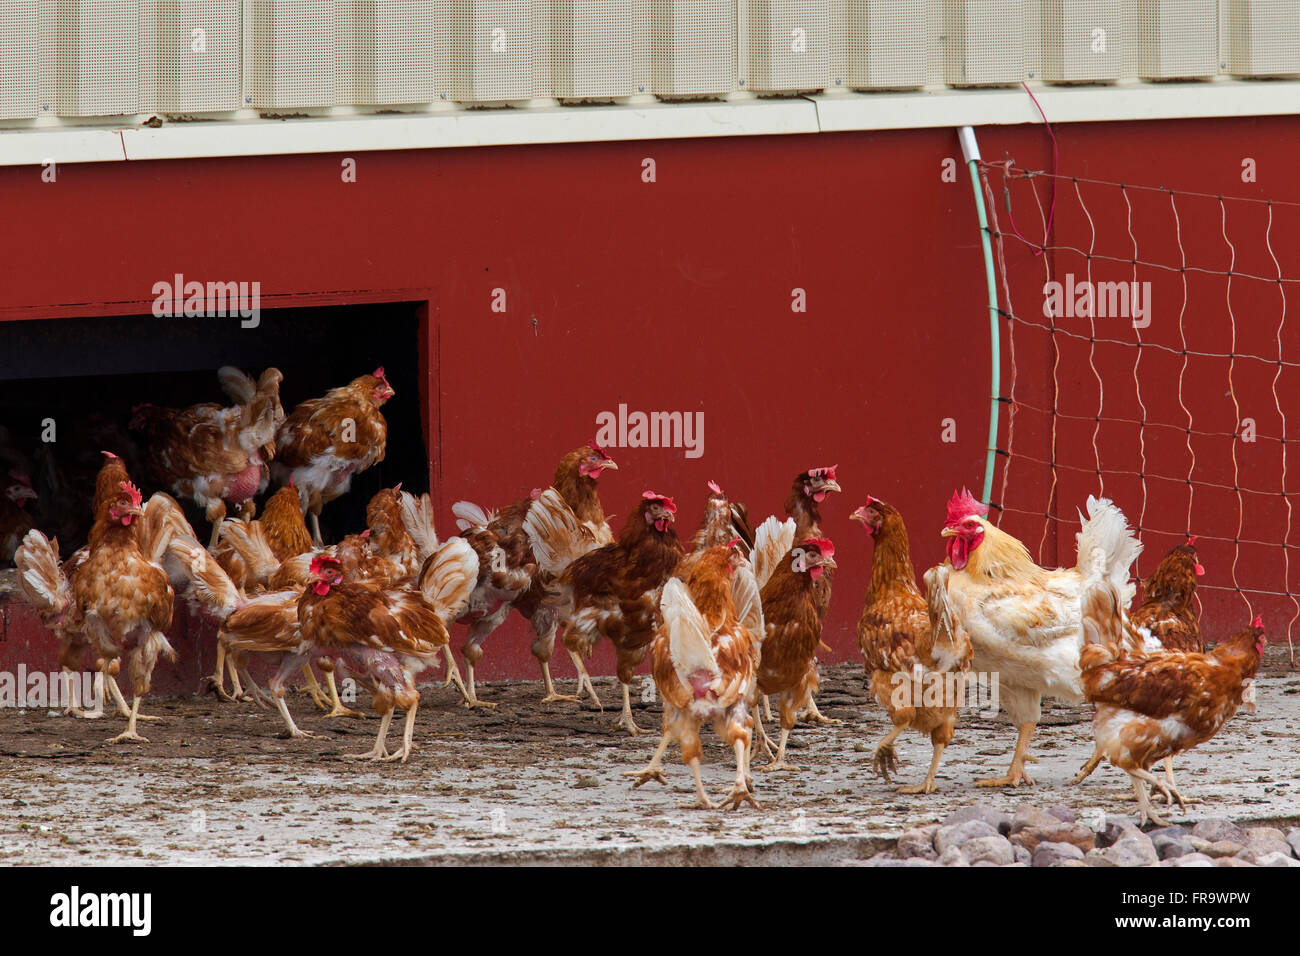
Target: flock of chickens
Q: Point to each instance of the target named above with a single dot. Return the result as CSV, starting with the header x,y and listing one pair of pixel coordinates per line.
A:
x,y
729,620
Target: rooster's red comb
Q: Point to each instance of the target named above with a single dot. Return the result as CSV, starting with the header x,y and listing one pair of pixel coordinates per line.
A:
x,y
963,505
821,544
713,487
132,491
662,499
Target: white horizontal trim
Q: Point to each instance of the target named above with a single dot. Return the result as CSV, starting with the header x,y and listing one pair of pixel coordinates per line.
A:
x,y
837,112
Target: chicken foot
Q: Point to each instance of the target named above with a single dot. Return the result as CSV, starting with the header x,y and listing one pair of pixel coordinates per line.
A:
x,y
379,751
885,760
338,710
293,729
1016,774
817,717
551,695
1140,779
740,791
130,732
471,691
408,732
318,695
928,785
453,673
654,769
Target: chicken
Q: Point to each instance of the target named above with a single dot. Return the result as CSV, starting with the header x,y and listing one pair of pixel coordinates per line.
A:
x,y
910,647
215,455
386,636
15,522
1023,620
792,632
1165,619
512,575
614,591
280,530
1152,706
705,658
327,441
1167,596
122,593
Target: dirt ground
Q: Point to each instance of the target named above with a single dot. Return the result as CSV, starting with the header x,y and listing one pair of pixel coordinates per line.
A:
x,y
527,783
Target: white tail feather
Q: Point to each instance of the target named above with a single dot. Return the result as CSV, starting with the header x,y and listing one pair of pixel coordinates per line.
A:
x,y
210,585
163,519
688,635
41,578
249,540
1107,547
417,518
237,385
449,578
772,542
555,534
749,603
471,516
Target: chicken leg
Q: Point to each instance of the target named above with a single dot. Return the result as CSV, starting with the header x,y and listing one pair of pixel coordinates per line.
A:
x,y
453,672
294,730
625,720
318,696
702,800
584,680
1016,774
740,792
551,696
885,760
817,717
338,710
471,691
408,732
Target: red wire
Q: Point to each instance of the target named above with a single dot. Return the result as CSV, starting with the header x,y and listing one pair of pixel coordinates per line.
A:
x,y
1056,165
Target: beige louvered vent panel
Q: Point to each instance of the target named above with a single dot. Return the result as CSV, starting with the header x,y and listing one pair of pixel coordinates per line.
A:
x,y
1082,40
886,44
492,51
97,71
985,42
1177,39
293,54
789,46
1261,37
196,56
543,83
693,47
19,76
599,48
395,50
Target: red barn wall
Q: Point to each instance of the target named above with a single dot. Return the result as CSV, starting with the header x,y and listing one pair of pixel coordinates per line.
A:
x,y
673,296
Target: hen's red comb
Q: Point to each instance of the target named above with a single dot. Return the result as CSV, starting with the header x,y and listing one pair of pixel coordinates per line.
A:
x,y
827,472
823,545
873,501
713,487
598,448
379,374
733,542
397,487
133,491
108,454
319,563
663,499
1191,538
963,505
1258,622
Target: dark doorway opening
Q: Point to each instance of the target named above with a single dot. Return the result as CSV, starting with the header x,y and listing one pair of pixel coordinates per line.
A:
x,y
86,374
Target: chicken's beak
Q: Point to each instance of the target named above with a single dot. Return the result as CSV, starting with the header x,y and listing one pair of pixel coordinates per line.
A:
x,y
610,464
831,485
948,533
829,563
858,516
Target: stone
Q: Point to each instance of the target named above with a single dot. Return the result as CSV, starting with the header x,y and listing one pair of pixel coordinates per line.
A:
x,y
1231,861
1057,832
1266,840
1221,848
994,818
1217,828
1056,854
953,857
1171,842
1114,829
1192,859
1271,859
918,844
958,833
1293,838
1022,855
1027,816
995,850
1064,814
1133,848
